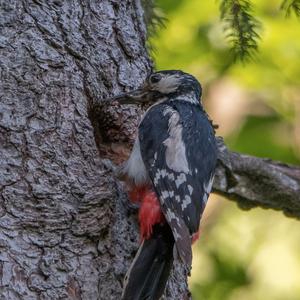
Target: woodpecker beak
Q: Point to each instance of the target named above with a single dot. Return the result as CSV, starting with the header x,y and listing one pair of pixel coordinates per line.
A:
x,y
142,95
138,96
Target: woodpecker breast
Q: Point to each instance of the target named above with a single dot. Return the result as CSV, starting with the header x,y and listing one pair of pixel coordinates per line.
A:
x,y
134,170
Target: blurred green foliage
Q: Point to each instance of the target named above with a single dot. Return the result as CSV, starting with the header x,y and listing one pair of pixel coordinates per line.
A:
x,y
242,254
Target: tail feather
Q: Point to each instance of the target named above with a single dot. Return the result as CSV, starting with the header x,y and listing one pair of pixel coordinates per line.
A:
x,y
147,277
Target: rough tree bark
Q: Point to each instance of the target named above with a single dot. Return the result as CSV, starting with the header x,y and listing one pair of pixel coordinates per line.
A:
x,y
66,231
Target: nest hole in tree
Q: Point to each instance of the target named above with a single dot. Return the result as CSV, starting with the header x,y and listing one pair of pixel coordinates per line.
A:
x,y
114,129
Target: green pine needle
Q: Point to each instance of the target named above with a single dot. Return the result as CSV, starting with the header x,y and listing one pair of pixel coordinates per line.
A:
x,y
241,28
291,6
154,20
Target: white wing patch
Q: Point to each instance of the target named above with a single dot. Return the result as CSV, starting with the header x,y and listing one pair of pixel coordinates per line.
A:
x,y
176,234
207,188
175,149
165,194
180,179
170,215
162,173
154,160
185,202
208,185
190,189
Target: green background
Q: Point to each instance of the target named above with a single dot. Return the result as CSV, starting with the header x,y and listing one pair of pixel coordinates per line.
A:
x,y
241,254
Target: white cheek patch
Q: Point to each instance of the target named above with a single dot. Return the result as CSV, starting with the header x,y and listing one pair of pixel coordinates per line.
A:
x,y
167,84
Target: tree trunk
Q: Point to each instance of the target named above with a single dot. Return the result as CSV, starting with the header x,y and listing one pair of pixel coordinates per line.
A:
x,y
66,231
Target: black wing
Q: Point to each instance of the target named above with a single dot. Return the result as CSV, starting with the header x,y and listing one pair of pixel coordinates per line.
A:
x,y
179,151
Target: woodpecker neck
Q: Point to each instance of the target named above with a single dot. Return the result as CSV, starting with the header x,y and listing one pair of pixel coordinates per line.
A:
x,y
190,97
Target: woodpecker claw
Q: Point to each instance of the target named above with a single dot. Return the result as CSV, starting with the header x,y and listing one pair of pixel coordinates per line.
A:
x,y
118,173
109,165
132,207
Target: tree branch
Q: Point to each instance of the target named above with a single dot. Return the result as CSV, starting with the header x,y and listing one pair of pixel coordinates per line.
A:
x,y
253,181
250,181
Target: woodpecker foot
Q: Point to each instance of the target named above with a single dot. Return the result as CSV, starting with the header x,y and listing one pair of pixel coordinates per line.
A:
x,y
131,207
109,165
135,195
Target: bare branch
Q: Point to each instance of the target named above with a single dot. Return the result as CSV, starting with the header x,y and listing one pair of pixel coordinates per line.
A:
x,y
253,181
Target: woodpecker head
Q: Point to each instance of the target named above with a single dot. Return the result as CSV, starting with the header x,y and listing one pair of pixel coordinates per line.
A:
x,y
165,85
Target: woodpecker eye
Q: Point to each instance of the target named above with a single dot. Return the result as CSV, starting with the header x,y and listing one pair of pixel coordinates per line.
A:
x,y
155,78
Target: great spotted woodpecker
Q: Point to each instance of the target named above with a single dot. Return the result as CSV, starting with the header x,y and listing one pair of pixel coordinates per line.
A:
x,y
169,173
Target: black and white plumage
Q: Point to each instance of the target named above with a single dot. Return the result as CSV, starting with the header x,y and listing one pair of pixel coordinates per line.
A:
x,y
178,149
175,153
